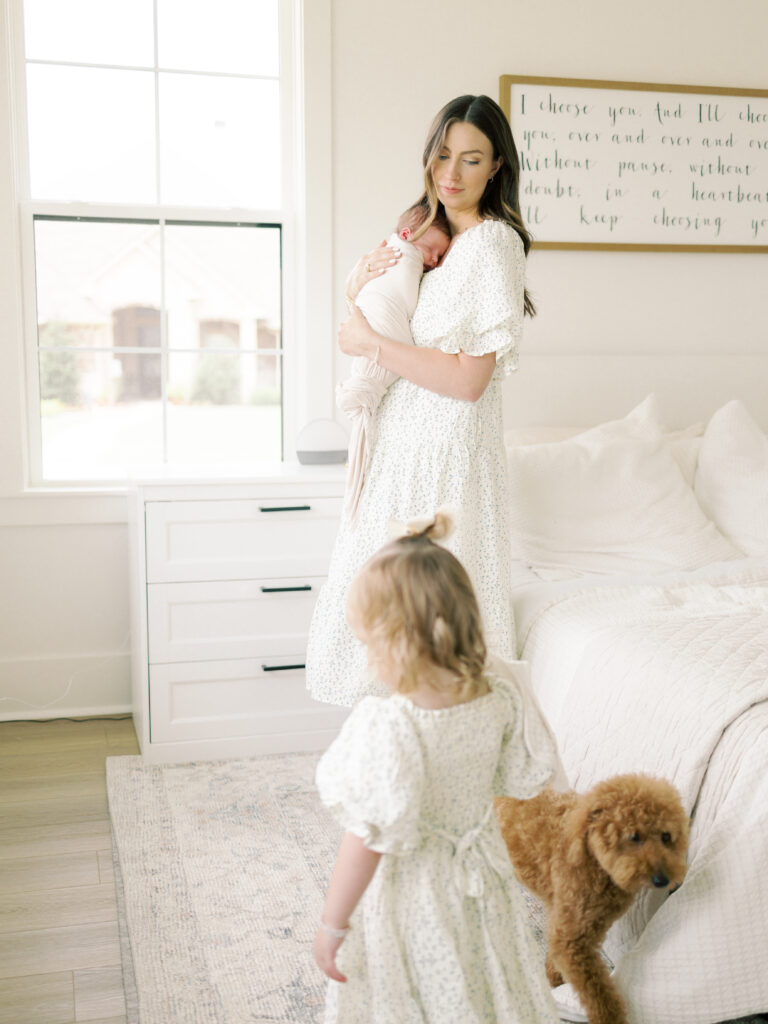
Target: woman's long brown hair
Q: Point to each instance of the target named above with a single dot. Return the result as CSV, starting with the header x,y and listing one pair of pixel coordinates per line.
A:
x,y
501,199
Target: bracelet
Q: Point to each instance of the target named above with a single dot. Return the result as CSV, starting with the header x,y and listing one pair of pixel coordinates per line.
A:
x,y
378,353
337,933
350,302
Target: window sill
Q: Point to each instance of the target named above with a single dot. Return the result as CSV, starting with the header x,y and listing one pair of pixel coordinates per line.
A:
x,y
78,504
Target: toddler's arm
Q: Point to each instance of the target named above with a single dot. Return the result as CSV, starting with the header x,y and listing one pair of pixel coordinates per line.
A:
x,y
354,869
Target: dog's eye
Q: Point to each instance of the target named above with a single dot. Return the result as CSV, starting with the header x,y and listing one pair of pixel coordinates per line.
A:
x,y
635,838
666,838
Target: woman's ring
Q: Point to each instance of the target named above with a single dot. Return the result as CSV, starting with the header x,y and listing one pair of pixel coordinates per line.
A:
x,y
367,268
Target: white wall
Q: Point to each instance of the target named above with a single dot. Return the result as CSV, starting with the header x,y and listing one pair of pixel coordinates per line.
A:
x,y
64,619
611,326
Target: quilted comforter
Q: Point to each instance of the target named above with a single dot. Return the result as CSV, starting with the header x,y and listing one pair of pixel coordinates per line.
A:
x,y
670,677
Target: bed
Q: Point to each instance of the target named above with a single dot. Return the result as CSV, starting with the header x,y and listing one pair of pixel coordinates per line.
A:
x,y
641,602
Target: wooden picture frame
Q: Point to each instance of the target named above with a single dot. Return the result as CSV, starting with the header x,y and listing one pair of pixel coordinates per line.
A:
x,y
639,166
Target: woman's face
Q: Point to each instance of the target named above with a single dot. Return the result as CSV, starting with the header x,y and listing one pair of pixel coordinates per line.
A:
x,y
461,172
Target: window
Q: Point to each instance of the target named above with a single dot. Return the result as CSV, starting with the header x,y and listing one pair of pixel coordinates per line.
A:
x,y
159,167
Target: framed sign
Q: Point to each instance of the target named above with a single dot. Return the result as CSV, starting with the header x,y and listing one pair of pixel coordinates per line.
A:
x,y
629,165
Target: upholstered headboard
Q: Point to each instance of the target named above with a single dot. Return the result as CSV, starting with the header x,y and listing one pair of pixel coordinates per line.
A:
x,y
612,327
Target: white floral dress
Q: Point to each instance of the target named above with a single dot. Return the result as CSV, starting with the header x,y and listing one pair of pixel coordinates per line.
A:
x,y
432,451
441,933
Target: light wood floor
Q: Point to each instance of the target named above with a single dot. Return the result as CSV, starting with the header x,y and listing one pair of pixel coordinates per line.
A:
x,y
59,951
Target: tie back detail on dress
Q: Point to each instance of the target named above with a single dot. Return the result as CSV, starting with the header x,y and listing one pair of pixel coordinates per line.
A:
x,y
475,854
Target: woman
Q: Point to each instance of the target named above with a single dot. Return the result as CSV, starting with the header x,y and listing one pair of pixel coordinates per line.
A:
x,y
437,434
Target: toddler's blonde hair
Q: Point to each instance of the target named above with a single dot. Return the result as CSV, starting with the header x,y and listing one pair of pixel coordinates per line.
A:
x,y
415,600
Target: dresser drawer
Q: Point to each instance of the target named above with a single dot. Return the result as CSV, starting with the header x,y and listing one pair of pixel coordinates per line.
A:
x,y
239,539
215,700
231,619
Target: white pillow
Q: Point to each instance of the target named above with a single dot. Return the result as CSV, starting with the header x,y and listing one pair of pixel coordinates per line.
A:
x,y
609,501
683,444
646,414
732,478
685,452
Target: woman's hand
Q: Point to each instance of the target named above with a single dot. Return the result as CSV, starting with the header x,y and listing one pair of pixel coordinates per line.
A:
x,y
371,265
325,949
356,336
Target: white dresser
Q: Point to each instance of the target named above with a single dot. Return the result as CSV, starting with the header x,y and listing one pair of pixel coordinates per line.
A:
x,y
225,577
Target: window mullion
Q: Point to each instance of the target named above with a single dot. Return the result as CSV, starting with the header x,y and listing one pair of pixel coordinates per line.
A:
x,y
158,195
163,343
34,459
138,212
142,67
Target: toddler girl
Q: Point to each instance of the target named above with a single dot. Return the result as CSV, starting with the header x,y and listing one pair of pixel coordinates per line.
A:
x,y
423,896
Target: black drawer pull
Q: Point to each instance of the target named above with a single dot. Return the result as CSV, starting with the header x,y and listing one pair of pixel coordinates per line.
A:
x,y
285,508
280,668
284,590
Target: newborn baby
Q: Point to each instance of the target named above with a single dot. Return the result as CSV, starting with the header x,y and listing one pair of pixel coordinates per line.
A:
x,y
388,302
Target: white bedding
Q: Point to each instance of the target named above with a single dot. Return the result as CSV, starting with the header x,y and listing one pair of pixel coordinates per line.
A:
x,y
669,675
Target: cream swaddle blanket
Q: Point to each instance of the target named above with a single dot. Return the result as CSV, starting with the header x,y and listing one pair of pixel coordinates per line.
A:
x,y
387,302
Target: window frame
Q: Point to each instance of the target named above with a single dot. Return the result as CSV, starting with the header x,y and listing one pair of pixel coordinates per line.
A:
x,y
305,220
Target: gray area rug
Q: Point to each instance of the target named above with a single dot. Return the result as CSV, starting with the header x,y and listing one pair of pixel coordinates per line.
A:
x,y
222,868
220,872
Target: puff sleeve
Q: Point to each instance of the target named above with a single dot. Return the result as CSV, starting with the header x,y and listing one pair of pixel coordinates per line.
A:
x,y
477,306
529,759
371,778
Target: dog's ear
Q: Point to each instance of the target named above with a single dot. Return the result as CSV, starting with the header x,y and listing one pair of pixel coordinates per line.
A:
x,y
576,828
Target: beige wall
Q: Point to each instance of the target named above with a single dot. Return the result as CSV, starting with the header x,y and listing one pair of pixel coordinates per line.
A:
x,y
64,633
611,326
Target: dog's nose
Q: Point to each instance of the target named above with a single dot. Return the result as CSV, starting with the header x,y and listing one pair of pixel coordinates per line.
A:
x,y
660,880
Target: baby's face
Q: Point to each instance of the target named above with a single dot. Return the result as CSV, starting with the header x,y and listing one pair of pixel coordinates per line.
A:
x,y
432,246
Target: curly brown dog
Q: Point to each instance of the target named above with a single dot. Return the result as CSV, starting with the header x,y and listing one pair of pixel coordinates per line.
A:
x,y
585,857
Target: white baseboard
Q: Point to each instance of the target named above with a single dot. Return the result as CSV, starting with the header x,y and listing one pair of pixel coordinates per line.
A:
x,y
65,686
89,712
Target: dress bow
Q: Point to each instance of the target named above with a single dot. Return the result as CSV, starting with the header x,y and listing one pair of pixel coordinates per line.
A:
x,y
474,853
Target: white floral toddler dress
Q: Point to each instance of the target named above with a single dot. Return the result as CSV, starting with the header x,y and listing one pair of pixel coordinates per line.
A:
x,y
431,451
441,934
